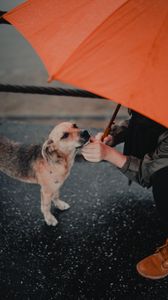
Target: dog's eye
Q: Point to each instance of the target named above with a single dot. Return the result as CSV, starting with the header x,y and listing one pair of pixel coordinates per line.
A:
x,y
75,126
65,135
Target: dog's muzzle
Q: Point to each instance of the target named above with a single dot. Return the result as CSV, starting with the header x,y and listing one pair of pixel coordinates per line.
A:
x,y
85,136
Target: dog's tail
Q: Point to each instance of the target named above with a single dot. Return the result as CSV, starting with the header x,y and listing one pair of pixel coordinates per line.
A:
x,y
4,139
6,144
8,157
6,148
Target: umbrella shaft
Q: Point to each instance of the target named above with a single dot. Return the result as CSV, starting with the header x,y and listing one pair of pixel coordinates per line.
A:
x,y
108,128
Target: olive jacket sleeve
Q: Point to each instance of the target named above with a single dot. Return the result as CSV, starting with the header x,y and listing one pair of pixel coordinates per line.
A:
x,y
141,170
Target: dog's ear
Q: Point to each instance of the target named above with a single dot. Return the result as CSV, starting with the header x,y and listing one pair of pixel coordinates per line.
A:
x,y
49,151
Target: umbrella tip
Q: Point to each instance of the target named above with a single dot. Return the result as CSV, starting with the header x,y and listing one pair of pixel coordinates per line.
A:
x,y
50,78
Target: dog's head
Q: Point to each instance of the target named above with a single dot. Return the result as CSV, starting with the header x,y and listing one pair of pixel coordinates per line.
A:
x,y
66,137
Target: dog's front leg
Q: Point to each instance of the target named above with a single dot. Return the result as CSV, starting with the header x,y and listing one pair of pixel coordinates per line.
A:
x,y
62,205
46,198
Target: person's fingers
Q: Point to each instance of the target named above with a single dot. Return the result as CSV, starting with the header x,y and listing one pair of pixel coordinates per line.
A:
x,y
108,140
88,154
98,136
91,153
91,158
92,139
90,146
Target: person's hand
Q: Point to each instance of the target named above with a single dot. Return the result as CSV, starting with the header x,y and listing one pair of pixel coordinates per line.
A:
x,y
107,140
95,151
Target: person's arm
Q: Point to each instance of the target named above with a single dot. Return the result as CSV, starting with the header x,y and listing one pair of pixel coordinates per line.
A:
x,y
98,151
138,170
114,156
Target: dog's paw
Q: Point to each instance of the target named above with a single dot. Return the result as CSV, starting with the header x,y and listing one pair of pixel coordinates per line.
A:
x,y
51,220
61,204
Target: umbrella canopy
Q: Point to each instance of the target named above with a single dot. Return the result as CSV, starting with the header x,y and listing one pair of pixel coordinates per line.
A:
x,y
114,48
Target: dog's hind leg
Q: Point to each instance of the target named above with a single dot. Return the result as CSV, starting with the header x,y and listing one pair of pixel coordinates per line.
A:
x,y
46,198
62,205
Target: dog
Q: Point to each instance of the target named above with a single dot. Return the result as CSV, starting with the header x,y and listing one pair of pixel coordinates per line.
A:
x,y
47,164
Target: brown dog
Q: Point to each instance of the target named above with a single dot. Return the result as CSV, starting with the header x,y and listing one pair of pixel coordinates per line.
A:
x,y
48,164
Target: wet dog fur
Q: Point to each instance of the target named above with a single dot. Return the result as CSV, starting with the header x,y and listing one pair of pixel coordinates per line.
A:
x,y
47,164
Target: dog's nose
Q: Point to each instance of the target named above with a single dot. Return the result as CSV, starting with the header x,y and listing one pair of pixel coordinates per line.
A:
x,y
85,135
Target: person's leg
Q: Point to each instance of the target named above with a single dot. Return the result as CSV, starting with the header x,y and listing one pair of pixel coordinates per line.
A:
x,y
155,266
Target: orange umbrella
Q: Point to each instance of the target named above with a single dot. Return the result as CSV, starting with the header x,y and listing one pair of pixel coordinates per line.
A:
x,y
115,48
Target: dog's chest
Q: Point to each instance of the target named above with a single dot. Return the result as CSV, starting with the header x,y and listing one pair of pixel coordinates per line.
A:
x,y
58,173
54,175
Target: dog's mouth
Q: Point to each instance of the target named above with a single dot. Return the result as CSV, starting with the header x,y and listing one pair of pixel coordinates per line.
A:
x,y
84,138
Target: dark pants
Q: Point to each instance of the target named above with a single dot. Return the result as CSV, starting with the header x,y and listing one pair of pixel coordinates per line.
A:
x,y
160,194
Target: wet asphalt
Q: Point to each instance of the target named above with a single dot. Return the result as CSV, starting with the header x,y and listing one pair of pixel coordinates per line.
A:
x,y
93,251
